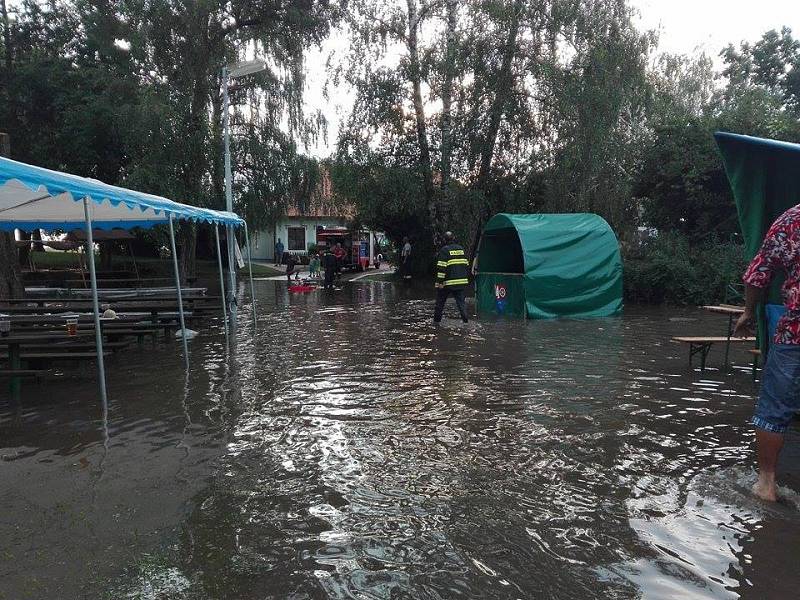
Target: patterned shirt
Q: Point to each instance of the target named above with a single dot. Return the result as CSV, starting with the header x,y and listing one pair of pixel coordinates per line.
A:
x,y
780,251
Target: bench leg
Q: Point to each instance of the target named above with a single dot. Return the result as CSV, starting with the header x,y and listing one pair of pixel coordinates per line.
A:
x,y
728,342
15,384
702,350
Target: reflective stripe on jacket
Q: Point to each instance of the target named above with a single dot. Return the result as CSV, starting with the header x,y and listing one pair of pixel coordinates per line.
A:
x,y
452,267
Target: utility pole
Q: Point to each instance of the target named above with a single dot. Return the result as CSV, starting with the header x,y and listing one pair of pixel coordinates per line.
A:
x,y
238,70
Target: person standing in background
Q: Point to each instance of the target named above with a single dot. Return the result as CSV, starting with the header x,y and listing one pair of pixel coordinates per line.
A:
x,y
329,266
279,252
291,263
405,259
314,265
340,254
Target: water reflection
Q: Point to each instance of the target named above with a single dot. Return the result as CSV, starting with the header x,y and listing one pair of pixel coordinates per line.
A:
x,y
353,450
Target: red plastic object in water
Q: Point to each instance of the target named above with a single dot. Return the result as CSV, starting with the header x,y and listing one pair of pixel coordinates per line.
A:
x,y
301,289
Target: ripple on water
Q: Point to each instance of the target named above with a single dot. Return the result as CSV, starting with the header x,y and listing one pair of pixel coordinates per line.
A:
x,y
368,454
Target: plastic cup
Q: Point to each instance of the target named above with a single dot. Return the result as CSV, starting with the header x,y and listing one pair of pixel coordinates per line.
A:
x,y
72,326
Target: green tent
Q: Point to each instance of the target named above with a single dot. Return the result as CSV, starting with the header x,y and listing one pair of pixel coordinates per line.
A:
x,y
545,266
765,178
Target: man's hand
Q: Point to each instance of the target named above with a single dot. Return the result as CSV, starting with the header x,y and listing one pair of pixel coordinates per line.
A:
x,y
439,286
744,326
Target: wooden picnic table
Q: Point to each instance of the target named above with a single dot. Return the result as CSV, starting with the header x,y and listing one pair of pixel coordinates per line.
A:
x,y
112,293
60,319
42,300
725,309
151,308
14,343
111,331
166,320
702,345
732,312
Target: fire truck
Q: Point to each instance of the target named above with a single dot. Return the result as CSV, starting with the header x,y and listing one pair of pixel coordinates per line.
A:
x,y
359,246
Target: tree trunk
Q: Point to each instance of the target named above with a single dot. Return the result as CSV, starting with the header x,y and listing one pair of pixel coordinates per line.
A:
x,y
9,50
106,254
419,112
195,168
447,94
10,276
36,237
505,83
24,252
187,250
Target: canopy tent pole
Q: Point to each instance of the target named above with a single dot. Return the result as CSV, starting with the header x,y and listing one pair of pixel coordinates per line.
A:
x,y
178,288
231,238
221,280
98,333
250,269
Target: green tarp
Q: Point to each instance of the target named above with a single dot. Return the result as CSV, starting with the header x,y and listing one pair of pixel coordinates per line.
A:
x,y
765,179
549,265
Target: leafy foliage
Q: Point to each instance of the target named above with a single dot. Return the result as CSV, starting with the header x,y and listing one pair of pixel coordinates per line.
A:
x,y
672,270
528,105
131,93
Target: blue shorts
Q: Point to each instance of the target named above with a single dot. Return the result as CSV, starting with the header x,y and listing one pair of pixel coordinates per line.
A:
x,y
779,399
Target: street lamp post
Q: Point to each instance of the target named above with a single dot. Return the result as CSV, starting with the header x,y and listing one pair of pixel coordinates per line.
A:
x,y
232,72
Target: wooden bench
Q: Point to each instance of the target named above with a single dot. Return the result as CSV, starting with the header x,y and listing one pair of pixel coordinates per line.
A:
x,y
36,359
114,333
79,346
702,345
38,355
138,332
36,374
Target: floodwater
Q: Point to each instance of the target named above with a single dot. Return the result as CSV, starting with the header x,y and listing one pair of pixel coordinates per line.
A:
x,y
352,450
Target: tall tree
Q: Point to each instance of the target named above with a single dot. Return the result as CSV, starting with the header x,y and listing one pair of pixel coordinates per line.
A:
x,y
415,76
506,92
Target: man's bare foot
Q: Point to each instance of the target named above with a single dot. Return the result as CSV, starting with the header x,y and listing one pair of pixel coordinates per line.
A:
x,y
766,491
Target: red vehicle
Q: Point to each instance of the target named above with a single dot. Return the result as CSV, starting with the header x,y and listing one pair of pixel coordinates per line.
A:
x,y
356,245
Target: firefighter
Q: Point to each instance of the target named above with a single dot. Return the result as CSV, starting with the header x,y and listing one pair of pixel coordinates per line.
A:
x,y
452,276
329,266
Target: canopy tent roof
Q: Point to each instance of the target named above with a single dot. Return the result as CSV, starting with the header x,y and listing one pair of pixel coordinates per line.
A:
x,y
37,198
765,178
570,263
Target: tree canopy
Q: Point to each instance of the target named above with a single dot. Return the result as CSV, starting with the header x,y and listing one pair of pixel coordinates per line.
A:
x,y
461,108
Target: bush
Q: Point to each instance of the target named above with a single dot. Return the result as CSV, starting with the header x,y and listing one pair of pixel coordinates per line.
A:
x,y
670,270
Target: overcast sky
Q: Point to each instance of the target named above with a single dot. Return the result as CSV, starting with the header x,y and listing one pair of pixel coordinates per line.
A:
x,y
684,26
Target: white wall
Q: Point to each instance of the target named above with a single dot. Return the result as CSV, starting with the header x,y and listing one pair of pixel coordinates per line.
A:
x,y
263,242
262,245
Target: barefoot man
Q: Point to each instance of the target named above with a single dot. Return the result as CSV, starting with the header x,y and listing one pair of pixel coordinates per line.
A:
x,y
779,399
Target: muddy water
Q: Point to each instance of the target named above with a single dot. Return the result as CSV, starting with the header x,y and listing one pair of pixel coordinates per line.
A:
x,y
352,450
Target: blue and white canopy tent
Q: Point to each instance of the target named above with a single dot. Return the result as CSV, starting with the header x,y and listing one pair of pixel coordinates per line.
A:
x,y
37,198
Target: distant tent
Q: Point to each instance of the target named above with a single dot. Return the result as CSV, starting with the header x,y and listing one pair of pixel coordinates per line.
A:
x,y
544,266
765,178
